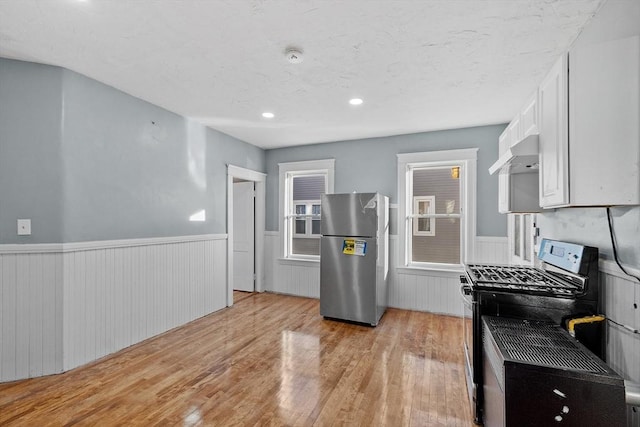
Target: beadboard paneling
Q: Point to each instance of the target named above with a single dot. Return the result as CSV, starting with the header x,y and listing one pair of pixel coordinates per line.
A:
x,y
492,250
116,297
66,306
623,347
30,315
422,290
301,278
436,292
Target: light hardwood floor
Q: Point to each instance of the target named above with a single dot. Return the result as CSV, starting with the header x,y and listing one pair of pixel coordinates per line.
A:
x,y
268,360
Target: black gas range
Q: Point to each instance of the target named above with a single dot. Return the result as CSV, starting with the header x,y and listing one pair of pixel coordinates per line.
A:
x,y
565,286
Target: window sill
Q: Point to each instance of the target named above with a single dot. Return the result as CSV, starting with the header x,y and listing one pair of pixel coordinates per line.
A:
x,y
300,262
428,271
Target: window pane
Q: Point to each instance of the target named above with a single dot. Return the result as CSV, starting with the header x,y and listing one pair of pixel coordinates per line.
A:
x,y
439,183
424,224
516,235
305,196
527,237
444,247
308,187
305,246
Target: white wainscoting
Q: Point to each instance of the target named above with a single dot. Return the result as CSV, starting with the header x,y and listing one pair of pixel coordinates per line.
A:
x,y
31,313
67,305
300,278
620,293
432,291
492,250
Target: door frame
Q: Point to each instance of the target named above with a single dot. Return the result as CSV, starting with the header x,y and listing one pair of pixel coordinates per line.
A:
x,y
259,180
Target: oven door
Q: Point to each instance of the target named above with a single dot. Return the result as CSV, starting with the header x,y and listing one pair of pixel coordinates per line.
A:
x,y
468,305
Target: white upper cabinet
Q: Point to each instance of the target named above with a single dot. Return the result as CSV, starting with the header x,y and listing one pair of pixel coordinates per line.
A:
x,y
553,141
503,193
584,121
590,115
604,123
529,117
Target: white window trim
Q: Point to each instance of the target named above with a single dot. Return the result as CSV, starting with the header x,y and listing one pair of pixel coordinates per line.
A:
x,y
524,231
406,161
304,167
428,215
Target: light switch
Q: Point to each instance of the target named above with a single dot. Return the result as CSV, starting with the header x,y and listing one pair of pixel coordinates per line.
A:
x,y
24,227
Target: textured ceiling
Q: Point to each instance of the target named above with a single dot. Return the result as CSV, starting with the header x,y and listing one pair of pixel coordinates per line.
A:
x,y
419,65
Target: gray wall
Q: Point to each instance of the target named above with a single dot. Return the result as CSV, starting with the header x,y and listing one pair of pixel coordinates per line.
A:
x,y
113,166
30,142
370,165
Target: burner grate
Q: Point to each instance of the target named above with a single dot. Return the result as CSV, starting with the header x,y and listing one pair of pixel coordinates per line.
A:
x,y
518,278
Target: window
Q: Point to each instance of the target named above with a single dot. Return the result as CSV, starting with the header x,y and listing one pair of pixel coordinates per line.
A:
x,y
307,213
522,232
436,200
301,187
424,209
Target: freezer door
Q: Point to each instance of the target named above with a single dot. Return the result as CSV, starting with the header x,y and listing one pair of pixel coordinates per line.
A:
x,y
348,280
350,214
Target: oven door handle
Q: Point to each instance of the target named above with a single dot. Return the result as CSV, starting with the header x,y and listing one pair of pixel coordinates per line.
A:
x,y
465,293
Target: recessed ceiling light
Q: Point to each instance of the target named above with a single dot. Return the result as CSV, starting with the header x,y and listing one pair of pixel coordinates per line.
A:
x,y
268,115
355,101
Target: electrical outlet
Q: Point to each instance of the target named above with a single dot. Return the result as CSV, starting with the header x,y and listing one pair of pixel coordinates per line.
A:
x,y
24,227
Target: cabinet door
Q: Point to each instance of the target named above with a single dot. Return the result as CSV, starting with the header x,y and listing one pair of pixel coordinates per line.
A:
x,y
529,116
604,113
510,136
515,135
554,142
503,141
503,193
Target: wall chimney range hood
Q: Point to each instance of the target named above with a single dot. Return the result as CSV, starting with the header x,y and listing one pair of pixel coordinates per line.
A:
x,y
521,157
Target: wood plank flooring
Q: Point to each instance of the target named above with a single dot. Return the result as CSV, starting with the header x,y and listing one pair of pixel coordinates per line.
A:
x,y
268,360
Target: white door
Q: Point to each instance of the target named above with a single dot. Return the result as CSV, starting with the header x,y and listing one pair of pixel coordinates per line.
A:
x,y
243,236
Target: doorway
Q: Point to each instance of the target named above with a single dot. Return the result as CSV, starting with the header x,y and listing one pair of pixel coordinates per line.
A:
x,y
245,194
243,235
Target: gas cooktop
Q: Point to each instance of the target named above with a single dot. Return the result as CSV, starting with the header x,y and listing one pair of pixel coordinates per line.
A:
x,y
509,278
570,267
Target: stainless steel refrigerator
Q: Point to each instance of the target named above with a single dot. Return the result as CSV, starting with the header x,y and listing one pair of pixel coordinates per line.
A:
x,y
354,257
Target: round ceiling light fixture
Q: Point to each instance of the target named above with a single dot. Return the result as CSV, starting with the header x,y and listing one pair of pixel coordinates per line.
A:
x,y
268,115
294,55
356,101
